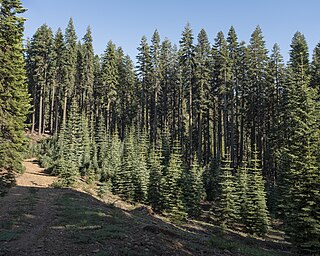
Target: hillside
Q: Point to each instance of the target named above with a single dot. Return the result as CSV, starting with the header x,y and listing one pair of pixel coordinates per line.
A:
x,y
37,219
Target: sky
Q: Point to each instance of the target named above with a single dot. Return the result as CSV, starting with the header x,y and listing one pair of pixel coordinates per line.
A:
x,y
126,21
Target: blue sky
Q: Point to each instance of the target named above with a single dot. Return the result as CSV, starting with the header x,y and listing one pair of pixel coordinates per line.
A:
x,y
126,21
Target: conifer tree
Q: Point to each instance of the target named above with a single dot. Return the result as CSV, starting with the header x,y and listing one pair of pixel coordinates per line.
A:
x,y
14,98
144,76
88,73
59,78
140,171
256,99
40,57
156,178
299,176
241,191
109,79
256,212
171,190
315,69
124,178
227,200
193,189
202,92
70,64
187,65
86,145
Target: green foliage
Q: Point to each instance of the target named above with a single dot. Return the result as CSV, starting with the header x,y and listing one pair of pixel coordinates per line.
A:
x,y
193,190
171,190
14,98
227,211
123,178
299,176
256,213
156,178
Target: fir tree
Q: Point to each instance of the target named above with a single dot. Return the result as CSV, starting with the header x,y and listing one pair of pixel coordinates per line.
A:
x,y
156,178
256,212
193,189
172,186
227,211
187,65
299,176
40,60
123,182
14,98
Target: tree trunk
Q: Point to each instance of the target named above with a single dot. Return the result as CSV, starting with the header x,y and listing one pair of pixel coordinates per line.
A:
x,y
40,111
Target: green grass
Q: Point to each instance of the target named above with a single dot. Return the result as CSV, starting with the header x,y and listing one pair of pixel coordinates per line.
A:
x,y
11,228
8,235
89,224
219,242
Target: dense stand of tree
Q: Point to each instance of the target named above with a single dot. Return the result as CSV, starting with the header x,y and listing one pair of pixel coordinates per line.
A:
x,y
228,123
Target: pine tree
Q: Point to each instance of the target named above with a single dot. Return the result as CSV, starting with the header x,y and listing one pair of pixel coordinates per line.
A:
x,y
14,98
187,65
70,65
140,171
299,176
221,81
256,212
88,73
315,69
86,145
59,78
227,211
256,97
109,78
202,92
193,189
40,60
124,179
156,178
241,191
172,186
144,76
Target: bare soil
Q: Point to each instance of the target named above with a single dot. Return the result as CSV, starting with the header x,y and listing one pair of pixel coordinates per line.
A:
x,y
37,219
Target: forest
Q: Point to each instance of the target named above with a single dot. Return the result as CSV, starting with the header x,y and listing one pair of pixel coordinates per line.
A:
x,y
225,122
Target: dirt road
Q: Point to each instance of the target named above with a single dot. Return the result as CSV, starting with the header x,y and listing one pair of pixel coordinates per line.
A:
x,y
37,219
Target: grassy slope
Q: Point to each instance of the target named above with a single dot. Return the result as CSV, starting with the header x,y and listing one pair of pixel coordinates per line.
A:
x,y
77,223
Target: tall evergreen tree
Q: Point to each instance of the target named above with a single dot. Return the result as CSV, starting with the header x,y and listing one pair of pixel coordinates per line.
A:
x,y
70,63
256,98
315,69
171,188
202,94
14,98
227,200
88,73
109,78
156,178
187,64
144,74
193,189
59,79
256,212
299,176
40,60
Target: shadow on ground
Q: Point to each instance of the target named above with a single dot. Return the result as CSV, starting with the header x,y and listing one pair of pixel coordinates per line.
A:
x,y
48,221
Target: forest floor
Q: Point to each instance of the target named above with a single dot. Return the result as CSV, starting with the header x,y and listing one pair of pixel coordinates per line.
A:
x,y
38,219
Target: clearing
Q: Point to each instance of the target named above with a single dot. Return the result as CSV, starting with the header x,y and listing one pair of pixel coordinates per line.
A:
x,y
37,219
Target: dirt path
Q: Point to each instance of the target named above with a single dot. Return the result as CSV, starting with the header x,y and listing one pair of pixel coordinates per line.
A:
x,y
38,220
34,176
26,212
